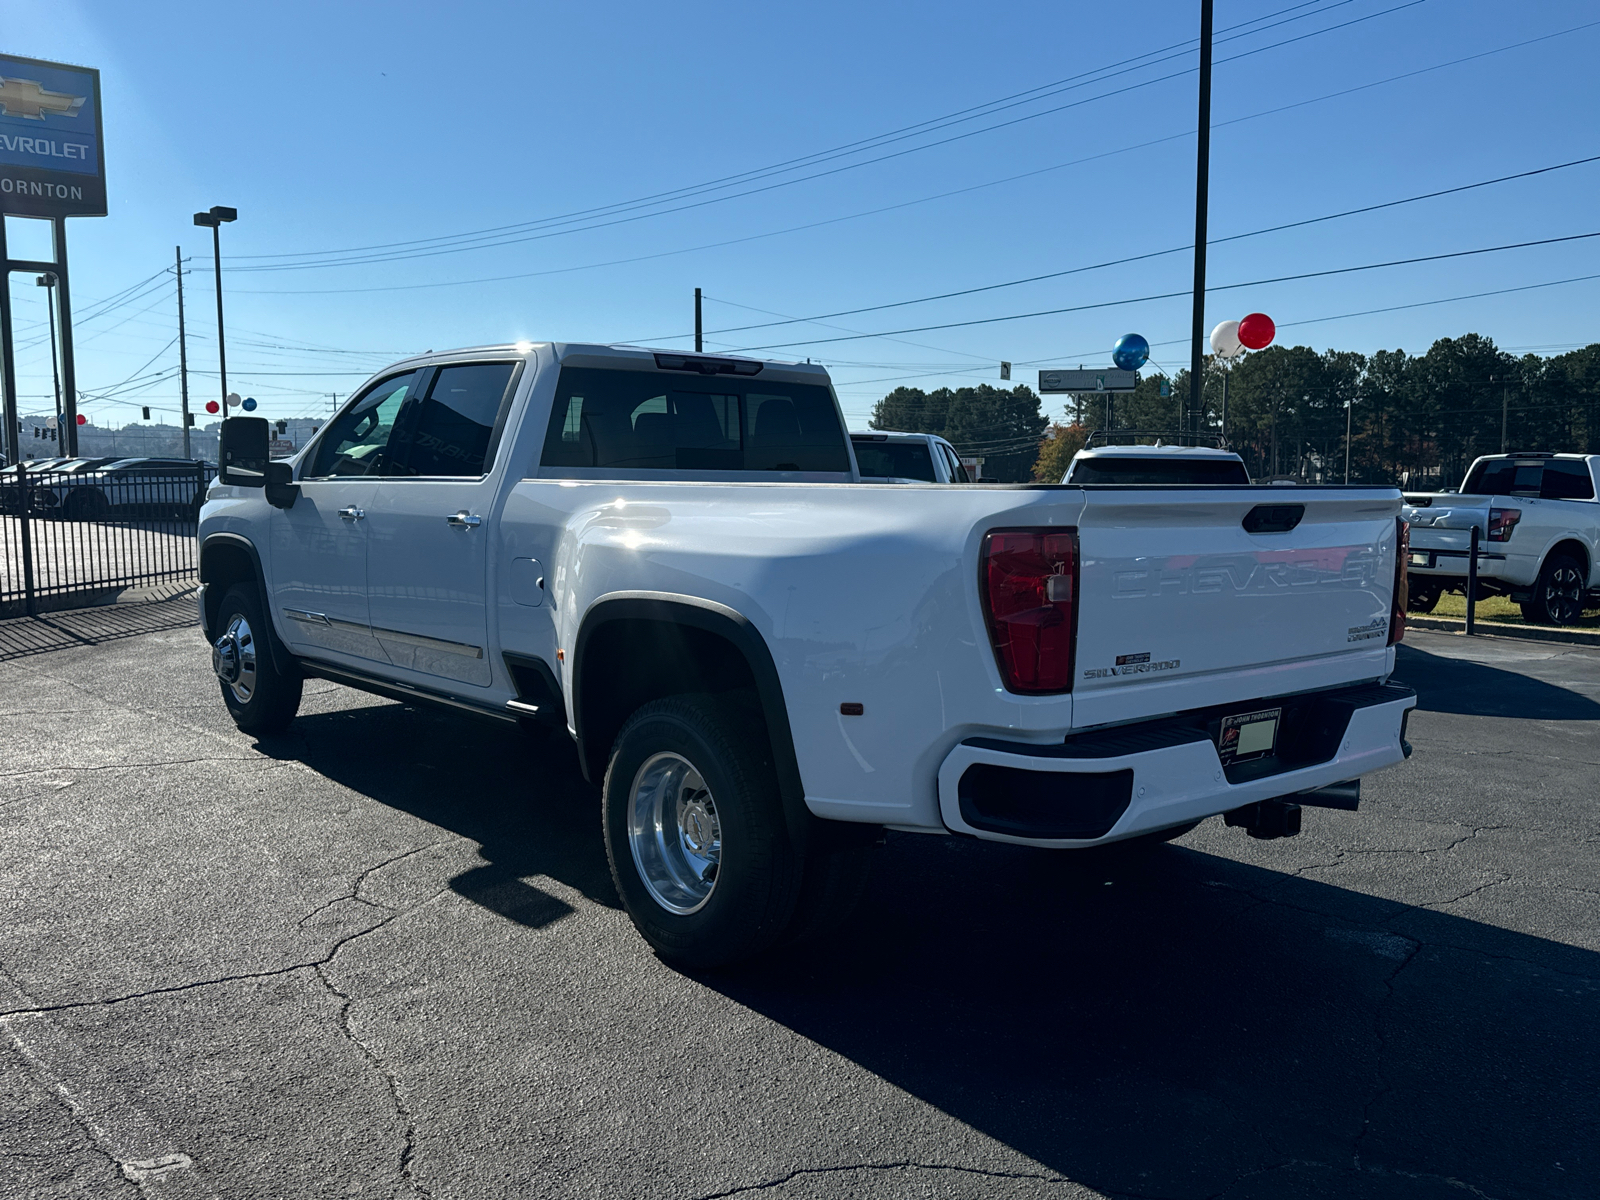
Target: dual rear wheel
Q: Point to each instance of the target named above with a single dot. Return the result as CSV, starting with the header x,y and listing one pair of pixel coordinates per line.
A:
x,y
703,857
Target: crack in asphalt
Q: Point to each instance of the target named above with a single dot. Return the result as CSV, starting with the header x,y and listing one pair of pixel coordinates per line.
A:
x,y
406,1176
242,976
408,1149
174,762
1379,1172
904,1165
92,1136
361,880
1467,895
1384,1086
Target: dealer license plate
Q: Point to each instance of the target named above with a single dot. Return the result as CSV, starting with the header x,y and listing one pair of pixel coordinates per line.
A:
x,y
1244,736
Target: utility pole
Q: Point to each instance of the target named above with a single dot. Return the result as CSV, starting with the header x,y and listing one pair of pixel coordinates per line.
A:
x,y
698,347
1347,407
183,353
1202,185
1505,409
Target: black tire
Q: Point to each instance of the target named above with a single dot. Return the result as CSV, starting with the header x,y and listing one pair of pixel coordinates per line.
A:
x,y
263,700
86,504
1423,597
1558,595
755,881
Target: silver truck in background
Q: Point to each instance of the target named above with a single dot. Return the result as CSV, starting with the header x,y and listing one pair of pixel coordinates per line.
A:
x,y
1538,527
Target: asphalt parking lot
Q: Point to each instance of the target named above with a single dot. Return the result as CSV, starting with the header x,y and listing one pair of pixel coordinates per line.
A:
x,y
381,956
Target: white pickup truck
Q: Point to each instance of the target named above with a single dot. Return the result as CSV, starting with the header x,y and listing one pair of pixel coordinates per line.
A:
x,y
1539,535
1156,465
764,661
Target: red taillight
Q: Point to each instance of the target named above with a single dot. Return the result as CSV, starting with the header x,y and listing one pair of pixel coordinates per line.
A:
x,y
1030,584
1402,582
1501,522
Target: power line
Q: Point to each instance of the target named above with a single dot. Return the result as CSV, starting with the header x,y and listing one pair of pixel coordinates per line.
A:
x,y
1125,149
400,256
971,113
989,287
1052,312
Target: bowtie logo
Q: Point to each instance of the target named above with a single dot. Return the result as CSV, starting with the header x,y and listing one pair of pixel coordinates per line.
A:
x,y
27,99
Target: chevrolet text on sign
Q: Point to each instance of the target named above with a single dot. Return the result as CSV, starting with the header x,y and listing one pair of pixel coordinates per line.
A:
x,y
51,164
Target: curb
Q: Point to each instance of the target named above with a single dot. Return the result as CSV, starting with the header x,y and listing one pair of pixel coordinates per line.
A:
x,y
1526,633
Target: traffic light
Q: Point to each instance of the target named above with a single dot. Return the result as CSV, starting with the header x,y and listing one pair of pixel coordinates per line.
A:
x,y
146,412
188,418
283,428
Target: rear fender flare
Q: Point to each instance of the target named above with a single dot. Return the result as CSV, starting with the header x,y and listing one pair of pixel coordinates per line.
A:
x,y
733,627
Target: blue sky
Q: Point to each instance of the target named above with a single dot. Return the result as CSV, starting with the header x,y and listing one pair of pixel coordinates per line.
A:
x,y
341,126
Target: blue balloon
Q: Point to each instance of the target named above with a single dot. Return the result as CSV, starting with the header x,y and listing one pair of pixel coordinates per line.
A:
x,y
1131,352
250,401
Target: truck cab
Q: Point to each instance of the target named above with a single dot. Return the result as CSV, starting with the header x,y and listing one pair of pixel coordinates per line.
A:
x,y
1157,465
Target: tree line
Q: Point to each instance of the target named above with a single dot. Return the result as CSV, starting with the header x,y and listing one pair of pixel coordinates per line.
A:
x,y
1416,420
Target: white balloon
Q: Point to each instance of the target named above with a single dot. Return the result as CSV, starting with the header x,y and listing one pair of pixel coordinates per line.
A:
x,y
1225,341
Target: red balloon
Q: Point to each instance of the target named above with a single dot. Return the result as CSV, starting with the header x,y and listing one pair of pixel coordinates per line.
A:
x,y
82,420
212,406
1257,331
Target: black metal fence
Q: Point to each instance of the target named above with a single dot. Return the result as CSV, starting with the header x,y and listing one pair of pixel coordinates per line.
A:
x,y
74,537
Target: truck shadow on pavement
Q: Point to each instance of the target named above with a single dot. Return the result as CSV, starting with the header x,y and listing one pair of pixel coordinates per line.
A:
x,y
1467,688
1184,1025
1171,1023
522,800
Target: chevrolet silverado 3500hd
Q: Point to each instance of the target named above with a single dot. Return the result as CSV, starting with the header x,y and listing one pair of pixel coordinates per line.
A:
x,y
764,661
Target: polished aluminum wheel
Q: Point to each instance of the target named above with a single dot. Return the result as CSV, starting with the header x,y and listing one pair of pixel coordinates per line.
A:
x,y
674,833
233,658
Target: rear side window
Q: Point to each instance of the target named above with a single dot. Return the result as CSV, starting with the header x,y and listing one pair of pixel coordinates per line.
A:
x,y
895,460
1566,480
958,473
1159,471
654,421
447,434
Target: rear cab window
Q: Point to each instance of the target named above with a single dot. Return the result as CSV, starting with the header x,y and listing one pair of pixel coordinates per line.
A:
x,y
894,460
1155,472
608,421
1548,479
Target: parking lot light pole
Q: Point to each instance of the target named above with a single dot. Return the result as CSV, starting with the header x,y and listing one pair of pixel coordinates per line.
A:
x,y
214,219
48,281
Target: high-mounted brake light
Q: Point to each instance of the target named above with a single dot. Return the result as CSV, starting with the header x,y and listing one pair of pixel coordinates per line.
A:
x,y
707,366
1501,523
1030,589
1402,581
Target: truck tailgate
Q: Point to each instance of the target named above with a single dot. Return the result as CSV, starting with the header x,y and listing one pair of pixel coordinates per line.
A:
x,y
1182,606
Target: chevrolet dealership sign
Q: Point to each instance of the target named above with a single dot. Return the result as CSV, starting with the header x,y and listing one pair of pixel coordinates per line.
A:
x,y
50,144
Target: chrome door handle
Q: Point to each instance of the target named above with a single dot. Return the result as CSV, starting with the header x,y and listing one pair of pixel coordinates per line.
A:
x,y
352,513
463,520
